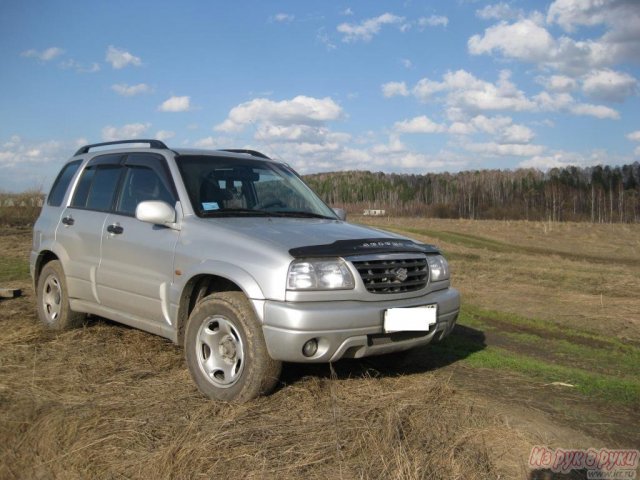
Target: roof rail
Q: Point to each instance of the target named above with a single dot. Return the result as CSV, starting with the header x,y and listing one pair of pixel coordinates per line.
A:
x,y
152,144
255,153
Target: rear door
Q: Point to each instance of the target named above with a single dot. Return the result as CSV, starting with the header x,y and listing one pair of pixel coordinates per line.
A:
x,y
136,266
79,232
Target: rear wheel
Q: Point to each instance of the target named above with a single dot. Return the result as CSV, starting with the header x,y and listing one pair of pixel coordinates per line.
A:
x,y
225,349
53,299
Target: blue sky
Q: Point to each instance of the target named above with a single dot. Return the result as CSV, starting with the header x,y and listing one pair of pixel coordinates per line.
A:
x,y
408,86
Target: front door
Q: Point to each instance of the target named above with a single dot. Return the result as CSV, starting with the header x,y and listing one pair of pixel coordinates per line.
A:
x,y
136,266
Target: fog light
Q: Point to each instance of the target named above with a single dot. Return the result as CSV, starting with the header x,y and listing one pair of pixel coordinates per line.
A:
x,y
310,348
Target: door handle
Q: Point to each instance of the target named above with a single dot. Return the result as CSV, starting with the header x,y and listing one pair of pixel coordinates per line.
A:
x,y
68,221
115,229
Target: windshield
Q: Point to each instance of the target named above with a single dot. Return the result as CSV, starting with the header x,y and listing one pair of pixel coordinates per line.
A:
x,y
223,186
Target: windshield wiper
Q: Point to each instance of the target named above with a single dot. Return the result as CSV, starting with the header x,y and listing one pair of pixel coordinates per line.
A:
x,y
233,212
301,214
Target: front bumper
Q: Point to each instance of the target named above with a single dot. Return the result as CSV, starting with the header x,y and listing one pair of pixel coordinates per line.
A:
x,y
349,329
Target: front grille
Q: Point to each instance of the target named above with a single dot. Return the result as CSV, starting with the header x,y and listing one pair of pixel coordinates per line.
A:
x,y
393,275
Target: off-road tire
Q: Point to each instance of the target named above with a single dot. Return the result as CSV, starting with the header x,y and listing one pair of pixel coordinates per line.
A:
x,y
225,349
52,296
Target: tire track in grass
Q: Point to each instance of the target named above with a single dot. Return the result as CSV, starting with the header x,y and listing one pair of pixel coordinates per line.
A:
x,y
475,241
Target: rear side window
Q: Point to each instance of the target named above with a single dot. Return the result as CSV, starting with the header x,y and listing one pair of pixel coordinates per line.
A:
x,y
61,183
97,187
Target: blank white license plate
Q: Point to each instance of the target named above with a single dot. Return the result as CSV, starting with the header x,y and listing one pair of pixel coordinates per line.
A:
x,y
412,319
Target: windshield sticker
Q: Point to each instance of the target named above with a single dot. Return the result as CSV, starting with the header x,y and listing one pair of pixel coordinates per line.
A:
x,y
210,206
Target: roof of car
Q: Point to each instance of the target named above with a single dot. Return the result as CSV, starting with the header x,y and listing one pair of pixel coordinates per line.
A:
x,y
222,153
159,145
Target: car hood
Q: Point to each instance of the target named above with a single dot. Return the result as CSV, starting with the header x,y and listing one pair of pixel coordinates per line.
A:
x,y
295,234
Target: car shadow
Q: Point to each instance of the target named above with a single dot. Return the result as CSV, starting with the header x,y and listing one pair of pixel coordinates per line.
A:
x,y
462,342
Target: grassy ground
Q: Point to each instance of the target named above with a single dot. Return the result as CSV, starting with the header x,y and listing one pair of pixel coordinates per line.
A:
x,y
557,306
108,401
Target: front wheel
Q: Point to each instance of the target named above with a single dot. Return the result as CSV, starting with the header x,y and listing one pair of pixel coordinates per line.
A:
x,y
225,349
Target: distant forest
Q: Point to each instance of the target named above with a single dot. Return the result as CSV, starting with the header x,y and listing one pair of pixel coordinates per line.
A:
x,y
594,194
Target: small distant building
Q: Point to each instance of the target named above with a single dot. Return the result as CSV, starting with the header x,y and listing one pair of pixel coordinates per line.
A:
x,y
375,213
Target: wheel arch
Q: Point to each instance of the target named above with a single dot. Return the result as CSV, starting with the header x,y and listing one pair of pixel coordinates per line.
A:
x,y
44,257
196,288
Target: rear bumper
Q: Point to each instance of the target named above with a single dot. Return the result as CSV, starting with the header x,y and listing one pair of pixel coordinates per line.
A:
x,y
349,329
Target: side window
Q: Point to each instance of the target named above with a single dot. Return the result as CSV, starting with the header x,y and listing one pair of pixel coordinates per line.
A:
x,y
140,184
97,187
83,187
61,183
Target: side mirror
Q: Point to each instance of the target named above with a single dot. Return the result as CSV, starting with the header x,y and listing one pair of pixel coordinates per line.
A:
x,y
156,212
341,213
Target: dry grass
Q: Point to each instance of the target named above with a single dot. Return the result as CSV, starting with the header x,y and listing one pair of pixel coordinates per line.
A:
x,y
106,401
111,402
20,209
576,274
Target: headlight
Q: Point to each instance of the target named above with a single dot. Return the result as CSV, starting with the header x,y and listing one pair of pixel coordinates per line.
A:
x,y
319,274
438,268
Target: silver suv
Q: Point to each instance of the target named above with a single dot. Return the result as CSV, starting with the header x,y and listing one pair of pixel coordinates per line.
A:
x,y
230,254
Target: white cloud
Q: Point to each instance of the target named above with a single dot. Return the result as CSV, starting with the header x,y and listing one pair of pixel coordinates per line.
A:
x,y
79,67
558,83
553,101
176,104
44,55
347,12
636,152
500,128
165,134
130,90
298,133
555,160
501,149
561,159
634,136
425,88
523,40
564,102
420,124
393,89
491,125
598,111
365,30
461,128
129,131
121,58
283,18
209,142
528,40
406,63
572,13
609,85
472,94
19,151
514,134
433,21
31,165
301,110
498,11
323,37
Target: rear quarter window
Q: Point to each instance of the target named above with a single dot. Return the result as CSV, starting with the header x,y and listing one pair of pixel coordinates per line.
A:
x,y
61,184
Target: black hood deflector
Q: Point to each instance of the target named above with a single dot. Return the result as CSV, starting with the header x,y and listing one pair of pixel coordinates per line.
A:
x,y
364,246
